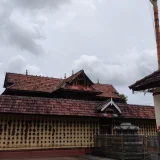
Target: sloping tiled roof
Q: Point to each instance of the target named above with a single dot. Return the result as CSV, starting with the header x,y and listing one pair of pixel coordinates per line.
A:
x,y
107,90
48,106
137,111
148,82
31,83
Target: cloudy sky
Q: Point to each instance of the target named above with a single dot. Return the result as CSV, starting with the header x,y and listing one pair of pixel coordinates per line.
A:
x,y
112,40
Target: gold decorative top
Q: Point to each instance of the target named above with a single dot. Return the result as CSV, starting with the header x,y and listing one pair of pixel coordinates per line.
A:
x,y
154,2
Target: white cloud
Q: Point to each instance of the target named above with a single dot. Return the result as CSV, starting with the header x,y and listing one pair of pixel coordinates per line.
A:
x,y
38,4
33,70
120,70
19,28
22,38
65,20
64,30
18,64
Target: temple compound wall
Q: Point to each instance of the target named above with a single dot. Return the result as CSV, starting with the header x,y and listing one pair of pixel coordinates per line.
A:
x,y
35,131
27,131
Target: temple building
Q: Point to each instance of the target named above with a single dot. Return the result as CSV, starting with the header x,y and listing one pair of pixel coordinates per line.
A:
x,y
41,112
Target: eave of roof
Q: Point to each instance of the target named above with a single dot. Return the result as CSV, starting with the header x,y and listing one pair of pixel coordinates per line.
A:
x,y
81,91
50,106
147,83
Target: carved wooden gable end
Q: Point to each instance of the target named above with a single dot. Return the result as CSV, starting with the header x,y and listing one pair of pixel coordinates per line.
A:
x,y
110,107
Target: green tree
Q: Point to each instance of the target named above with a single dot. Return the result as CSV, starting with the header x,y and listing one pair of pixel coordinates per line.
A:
x,y
123,97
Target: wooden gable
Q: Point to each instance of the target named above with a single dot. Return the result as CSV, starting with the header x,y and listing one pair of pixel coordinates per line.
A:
x,y
110,107
78,82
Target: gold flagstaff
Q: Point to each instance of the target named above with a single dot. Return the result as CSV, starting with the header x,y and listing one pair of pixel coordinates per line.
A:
x,y
156,19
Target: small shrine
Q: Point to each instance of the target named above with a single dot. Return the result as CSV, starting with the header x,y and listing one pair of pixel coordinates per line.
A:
x,y
126,129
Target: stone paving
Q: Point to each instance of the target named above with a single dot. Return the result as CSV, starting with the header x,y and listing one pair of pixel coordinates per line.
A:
x,y
65,158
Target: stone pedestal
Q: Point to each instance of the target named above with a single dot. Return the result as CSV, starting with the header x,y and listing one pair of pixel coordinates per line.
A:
x,y
126,129
132,143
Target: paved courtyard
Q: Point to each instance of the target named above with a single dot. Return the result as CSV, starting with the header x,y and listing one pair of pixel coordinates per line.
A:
x,y
65,158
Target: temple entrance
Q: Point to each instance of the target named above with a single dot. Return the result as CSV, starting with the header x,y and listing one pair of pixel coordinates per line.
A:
x,y
105,126
105,129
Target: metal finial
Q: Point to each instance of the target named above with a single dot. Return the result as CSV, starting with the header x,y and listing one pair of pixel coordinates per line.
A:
x,y
97,81
26,72
65,76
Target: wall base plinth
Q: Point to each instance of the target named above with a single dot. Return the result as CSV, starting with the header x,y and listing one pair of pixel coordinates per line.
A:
x,y
65,152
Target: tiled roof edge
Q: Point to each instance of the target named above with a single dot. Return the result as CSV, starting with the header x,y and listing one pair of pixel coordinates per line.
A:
x,y
45,98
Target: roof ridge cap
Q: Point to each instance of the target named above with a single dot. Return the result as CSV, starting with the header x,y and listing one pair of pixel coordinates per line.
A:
x,y
33,75
104,84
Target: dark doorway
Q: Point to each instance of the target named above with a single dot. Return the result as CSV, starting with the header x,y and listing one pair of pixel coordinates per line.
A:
x,y
105,126
105,129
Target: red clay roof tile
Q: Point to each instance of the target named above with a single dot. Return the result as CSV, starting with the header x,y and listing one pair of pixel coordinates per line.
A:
x,y
50,106
107,90
31,83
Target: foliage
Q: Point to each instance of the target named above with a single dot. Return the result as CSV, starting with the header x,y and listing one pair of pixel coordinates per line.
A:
x,y
123,97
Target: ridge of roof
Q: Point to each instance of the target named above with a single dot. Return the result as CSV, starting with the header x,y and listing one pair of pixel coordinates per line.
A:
x,y
103,84
70,78
29,75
